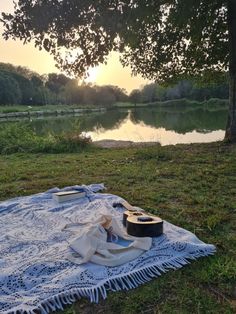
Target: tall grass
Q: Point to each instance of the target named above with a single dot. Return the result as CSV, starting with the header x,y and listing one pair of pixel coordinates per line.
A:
x,y
22,138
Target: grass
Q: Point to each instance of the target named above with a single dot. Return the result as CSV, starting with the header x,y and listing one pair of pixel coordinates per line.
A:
x,y
211,103
193,186
20,108
22,138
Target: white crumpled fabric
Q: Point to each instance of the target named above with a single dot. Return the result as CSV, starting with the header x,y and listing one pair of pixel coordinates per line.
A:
x,y
91,243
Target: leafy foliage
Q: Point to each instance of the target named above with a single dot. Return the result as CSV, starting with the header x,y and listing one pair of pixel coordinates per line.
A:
x,y
159,39
177,38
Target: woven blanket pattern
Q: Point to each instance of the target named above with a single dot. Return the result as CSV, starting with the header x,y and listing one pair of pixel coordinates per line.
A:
x,y
35,273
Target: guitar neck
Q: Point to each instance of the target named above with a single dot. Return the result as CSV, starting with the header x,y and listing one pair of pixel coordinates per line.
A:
x,y
128,206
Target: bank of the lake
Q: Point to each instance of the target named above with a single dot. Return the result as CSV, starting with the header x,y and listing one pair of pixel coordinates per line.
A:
x,y
22,111
193,186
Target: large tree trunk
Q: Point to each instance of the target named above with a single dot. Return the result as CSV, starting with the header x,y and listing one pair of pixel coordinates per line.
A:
x,y
230,133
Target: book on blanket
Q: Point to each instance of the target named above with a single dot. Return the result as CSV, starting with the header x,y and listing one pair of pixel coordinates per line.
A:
x,y
67,195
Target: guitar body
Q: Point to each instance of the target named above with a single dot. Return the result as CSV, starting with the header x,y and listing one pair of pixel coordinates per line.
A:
x,y
144,226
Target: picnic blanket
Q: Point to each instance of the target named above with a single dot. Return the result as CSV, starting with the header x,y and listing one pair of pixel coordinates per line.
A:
x,y
35,273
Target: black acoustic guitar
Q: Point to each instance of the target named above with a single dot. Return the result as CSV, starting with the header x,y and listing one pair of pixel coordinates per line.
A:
x,y
140,224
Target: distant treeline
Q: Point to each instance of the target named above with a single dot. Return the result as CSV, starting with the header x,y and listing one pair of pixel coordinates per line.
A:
x,y
21,86
187,89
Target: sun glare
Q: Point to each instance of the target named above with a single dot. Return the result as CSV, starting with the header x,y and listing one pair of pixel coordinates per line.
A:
x,y
92,75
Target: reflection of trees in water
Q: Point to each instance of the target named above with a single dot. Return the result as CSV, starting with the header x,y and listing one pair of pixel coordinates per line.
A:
x,y
181,122
51,125
108,120
87,122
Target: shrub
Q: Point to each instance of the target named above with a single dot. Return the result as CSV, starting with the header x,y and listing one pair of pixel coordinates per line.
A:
x,y
22,138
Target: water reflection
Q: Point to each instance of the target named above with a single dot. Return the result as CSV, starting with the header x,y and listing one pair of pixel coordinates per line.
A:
x,y
167,125
133,129
83,122
182,121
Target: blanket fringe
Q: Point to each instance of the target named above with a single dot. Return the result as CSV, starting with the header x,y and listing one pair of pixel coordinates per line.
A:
x,y
126,282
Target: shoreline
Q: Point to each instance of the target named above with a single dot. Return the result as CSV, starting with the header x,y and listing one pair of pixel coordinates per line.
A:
x,y
108,143
29,111
41,113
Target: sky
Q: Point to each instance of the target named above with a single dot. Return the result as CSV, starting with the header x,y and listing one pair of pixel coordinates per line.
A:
x,y
16,53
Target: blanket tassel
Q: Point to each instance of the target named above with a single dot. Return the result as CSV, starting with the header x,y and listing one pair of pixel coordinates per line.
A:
x,y
127,282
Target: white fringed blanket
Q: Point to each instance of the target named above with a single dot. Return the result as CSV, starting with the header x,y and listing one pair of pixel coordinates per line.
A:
x,y
35,273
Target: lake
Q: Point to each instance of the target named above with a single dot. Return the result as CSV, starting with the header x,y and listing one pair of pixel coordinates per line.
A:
x,y
165,125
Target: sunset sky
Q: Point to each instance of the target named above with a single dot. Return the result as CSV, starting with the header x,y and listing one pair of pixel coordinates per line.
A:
x,y
40,61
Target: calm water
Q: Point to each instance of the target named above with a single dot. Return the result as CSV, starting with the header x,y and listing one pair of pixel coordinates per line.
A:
x,y
168,126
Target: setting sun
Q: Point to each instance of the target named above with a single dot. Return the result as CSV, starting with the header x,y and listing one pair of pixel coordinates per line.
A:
x,y
92,75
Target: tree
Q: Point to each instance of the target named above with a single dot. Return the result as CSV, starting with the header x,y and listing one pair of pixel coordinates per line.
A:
x,y
105,96
135,96
72,92
23,84
149,93
23,71
88,93
56,82
26,88
10,93
160,39
36,81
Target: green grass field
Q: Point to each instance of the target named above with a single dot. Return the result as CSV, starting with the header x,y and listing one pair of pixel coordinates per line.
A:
x,y
192,186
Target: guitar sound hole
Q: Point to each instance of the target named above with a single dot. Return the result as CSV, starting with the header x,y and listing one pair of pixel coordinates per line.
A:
x,y
145,219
